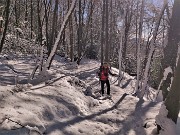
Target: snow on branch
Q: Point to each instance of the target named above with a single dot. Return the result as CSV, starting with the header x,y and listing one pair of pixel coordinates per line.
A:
x,y
34,129
165,74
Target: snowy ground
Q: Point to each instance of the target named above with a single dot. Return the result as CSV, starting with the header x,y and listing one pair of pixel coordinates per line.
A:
x,y
69,103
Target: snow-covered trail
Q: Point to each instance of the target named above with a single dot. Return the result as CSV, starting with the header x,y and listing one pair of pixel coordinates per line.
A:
x,y
61,107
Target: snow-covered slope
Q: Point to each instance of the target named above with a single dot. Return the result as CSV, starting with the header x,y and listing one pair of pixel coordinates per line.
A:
x,y
69,104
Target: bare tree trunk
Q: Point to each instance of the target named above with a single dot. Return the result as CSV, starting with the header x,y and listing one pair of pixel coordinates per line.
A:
x,y
80,34
120,55
102,33
6,24
64,32
31,18
39,23
121,32
147,48
139,45
127,25
46,23
88,23
107,34
16,13
54,26
113,45
128,18
91,23
137,8
111,31
26,10
71,35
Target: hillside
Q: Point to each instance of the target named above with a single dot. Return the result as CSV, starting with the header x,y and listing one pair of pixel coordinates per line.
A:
x,y
66,102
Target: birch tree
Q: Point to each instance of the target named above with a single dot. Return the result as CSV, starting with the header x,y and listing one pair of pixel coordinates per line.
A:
x,y
121,33
120,55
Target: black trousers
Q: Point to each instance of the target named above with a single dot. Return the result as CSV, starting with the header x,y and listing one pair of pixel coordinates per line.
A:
x,y
102,86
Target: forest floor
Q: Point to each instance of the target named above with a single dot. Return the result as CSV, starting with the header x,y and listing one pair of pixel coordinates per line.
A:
x,y
66,101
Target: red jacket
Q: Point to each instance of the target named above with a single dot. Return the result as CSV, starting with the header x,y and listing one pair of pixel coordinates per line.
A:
x,y
103,74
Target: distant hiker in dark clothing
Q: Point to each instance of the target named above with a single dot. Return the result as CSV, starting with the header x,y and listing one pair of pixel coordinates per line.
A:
x,y
103,74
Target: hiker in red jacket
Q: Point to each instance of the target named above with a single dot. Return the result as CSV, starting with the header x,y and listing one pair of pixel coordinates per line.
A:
x,y
103,74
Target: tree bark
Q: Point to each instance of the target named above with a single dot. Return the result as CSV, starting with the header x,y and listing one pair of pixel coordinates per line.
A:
x,y
171,49
107,33
111,31
172,102
39,23
54,26
71,34
26,10
6,24
139,46
16,13
46,23
31,19
173,99
91,23
80,34
102,33
128,18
